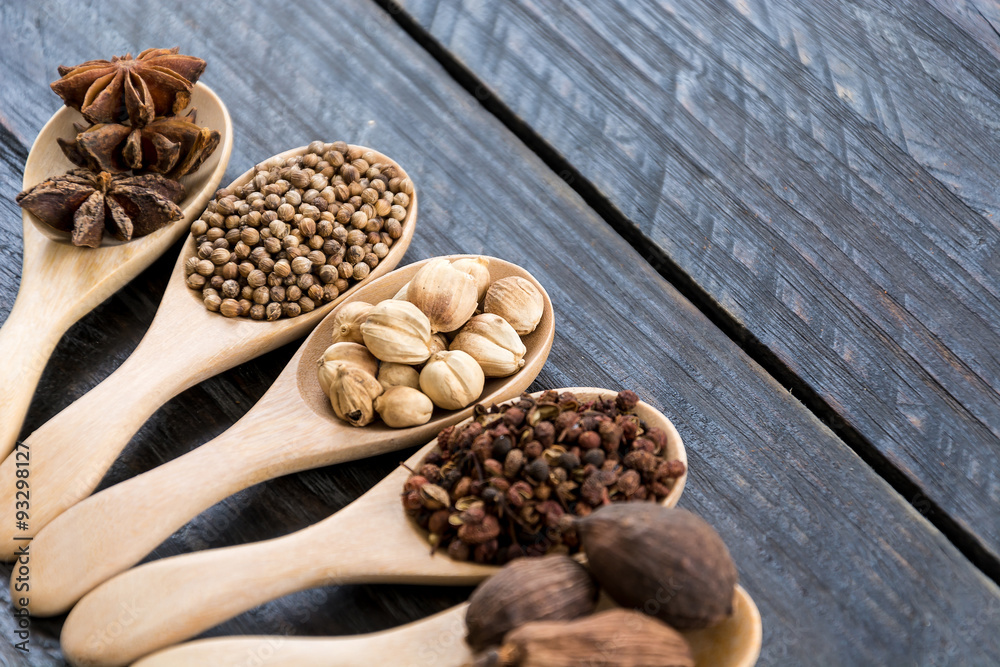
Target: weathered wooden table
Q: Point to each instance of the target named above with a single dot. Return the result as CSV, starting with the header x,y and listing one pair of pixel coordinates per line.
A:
x,y
776,220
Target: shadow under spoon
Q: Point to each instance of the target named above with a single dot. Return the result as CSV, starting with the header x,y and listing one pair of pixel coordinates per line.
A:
x,y
436,641
114,529
60,283
184,345
369,541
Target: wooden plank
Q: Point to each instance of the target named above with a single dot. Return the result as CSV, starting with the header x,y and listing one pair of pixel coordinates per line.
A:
x,y
979,18
843,569
826,172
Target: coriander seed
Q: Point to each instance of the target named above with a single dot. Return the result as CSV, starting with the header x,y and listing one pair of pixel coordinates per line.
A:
x,y
249,236
220,256
256,278
229,308
212,302
298,233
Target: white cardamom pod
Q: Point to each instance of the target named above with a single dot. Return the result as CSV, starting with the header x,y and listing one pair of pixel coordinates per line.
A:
x,y
347,321
397,331
491,341
438,343
344,353
478,268
452,380
352,394
446,295
400,407
516,300
398,375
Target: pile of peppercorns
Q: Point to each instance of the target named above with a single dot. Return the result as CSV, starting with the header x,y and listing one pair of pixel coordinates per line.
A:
x,y
298,233
510,482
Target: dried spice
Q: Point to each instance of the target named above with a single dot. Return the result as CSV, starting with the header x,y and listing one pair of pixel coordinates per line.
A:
x,y
668,562
516,300
491,341
515,477
613,638
88,203
156,83
398,333
298,233
452,379
446,295
173,146
552,588
400,407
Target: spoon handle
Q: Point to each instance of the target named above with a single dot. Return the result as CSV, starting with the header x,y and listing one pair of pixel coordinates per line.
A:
x,y
68,455
27,339
114,529
169,600
437,641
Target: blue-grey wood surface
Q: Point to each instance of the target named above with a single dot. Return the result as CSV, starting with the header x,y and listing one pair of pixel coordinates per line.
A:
x,y
843,568
824,172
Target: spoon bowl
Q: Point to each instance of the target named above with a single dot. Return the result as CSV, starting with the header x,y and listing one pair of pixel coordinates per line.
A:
x,y
437,641
184,345
369,541
114,529
60,283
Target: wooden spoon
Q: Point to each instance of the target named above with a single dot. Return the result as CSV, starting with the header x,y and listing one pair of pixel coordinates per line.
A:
x,y
437,641
369,541
184,345
114,529
61,283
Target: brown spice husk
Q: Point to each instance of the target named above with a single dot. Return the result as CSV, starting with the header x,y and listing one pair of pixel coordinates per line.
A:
x,y
156,83
518,474
87,204
173,146
551,588
667,562
614,638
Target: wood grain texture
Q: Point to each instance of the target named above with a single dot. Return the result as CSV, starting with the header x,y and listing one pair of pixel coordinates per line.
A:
x,y
979,18
370,540
844,571
825,171
439,640
184,345
60,282
115,529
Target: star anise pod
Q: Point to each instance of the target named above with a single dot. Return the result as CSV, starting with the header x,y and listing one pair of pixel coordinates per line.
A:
x,y
157,83
86,203
173,146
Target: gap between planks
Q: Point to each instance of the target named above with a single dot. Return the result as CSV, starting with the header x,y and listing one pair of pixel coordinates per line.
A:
x,y
965,542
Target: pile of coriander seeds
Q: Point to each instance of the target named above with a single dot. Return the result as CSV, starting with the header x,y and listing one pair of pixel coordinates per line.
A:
x,y
299,233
